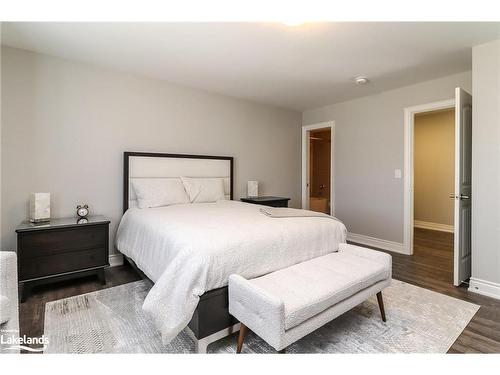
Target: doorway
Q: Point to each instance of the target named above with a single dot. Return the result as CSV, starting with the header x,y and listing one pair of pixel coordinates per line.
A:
x,y
317,167
434,182
461,193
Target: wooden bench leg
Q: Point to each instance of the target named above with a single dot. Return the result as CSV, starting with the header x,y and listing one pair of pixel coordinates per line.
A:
x,y
381,305
241,337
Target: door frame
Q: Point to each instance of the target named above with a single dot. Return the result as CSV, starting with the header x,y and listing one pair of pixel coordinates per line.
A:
x,y
409,134
305,158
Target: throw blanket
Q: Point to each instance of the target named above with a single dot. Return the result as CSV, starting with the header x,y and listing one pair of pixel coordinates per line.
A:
x,y
281,212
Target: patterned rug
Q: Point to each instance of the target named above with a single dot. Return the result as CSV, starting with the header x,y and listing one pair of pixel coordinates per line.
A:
x,y
112,321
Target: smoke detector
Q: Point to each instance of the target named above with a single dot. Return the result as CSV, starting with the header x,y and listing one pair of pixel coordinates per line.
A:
x,y
361,80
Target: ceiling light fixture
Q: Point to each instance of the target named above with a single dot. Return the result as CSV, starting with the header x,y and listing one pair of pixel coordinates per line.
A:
x,y
361,80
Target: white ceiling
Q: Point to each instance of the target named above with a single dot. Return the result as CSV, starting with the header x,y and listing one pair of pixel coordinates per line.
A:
x,y
299,67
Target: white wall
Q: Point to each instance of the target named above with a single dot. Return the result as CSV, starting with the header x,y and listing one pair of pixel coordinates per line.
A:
x,y
369,146
486,168
65,126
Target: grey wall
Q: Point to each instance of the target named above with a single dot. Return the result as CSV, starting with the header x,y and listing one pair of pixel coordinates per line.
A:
x,y
369,147
486,163
1,234
65,126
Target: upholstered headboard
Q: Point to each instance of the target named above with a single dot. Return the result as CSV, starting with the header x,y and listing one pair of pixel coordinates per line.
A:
x,y
154,165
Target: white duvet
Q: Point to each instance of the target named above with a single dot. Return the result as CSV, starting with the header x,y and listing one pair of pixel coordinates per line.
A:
x,y
189,249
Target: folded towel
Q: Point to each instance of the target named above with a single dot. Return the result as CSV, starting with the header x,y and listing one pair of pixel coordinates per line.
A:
x,y
281,212
5,309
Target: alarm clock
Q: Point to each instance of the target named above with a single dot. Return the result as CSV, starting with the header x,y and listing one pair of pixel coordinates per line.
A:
x,y
82,211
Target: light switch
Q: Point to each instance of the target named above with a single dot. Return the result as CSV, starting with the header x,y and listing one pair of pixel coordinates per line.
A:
x,y
397,173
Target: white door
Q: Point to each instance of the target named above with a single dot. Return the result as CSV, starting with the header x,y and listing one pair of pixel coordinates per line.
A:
x,y
306,202
462,196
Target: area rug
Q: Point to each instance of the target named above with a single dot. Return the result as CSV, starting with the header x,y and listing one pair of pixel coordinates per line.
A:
x,y
112,321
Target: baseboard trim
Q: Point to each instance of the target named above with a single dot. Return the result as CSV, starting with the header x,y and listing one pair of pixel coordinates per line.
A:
x,y
361,239
486,288
433,226
115,260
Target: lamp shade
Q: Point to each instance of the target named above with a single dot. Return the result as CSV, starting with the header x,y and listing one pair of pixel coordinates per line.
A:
x,y
253,189
39,207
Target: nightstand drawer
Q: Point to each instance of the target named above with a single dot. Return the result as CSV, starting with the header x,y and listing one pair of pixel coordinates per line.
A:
x,y
61,263
52,242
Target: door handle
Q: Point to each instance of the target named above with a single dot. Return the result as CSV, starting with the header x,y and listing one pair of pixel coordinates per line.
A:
x,y
461,196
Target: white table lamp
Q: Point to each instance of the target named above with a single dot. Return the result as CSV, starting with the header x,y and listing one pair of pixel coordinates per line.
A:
x,y
39,207
253,189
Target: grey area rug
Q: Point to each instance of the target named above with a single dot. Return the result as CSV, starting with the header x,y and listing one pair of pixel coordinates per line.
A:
x,y
112,321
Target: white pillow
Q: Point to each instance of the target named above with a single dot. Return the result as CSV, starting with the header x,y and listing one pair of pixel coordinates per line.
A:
x,y
157,192
204,190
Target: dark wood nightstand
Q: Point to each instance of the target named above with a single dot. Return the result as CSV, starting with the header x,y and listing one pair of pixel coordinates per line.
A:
x,y
268,201
61,249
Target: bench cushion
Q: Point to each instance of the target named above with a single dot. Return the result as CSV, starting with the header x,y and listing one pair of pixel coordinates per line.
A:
x,y
311,287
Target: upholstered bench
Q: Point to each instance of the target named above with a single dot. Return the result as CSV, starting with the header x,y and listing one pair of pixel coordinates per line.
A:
x,y
286,305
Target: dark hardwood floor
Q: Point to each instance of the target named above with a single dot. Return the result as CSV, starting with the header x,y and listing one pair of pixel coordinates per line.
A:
x,y
430,267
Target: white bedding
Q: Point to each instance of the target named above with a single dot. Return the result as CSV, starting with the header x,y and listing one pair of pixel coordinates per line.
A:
x,y
189,249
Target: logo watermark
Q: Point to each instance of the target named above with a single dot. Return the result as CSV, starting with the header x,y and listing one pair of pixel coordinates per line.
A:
x,y
13,342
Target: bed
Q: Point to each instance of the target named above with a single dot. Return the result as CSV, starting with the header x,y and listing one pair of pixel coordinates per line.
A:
x,y
189,250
